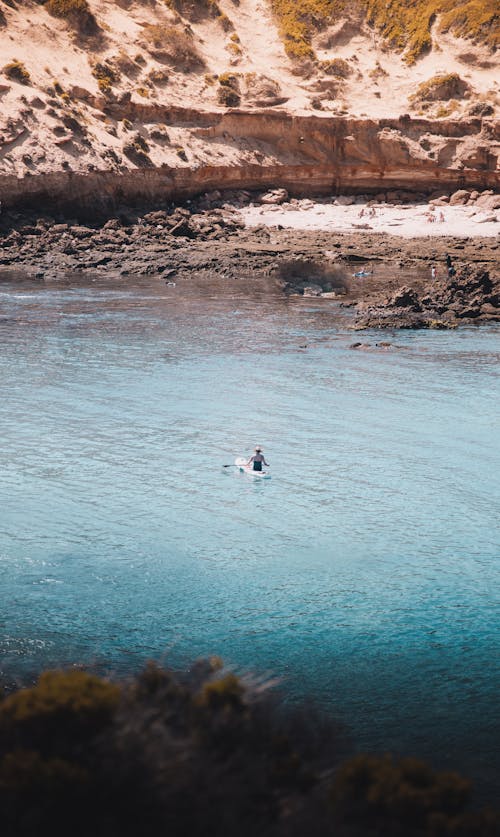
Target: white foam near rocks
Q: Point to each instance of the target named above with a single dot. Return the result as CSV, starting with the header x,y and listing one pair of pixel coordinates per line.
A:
x,y
408,221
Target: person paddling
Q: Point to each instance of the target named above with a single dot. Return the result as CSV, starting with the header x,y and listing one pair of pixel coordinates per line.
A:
x,y
258,459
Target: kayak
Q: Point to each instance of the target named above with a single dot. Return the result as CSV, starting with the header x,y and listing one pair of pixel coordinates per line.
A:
x,y
362,273
240,463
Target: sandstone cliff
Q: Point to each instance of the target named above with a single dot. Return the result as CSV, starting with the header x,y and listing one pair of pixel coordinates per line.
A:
x,y
145,100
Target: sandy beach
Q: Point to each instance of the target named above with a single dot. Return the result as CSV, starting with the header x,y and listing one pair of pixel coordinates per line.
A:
x,y
407,221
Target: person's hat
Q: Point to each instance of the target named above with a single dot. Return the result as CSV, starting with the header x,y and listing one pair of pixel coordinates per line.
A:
x,y
258,447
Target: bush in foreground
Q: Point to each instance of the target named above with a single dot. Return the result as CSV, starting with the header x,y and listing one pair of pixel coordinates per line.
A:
x,y
206,754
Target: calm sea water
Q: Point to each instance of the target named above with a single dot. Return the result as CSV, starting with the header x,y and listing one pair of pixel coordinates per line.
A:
x,y
365,573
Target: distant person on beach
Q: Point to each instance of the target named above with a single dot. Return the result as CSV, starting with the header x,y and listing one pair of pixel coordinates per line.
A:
x,y
433,272
441,217
258,460
449,265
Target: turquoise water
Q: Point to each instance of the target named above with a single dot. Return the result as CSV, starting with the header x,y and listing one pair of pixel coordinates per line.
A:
x,y
364,573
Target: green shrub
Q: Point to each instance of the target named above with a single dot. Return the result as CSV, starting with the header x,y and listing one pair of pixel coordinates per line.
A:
x,y
204,753
225,22
125,64
224,693
158,77
76,12
378,71
136,149
16,71
439,88
173,45
228,92
62,708
403,796
298,20
407,23
337,67
106,76
25,774
197,10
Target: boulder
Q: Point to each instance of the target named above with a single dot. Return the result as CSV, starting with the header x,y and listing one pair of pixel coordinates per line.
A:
x,y
274,196
489,202
183,228
405,298
460,197
313,290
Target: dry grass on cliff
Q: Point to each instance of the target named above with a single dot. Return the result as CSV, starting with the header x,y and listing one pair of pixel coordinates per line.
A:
x,y
172,44
440,88
198,10
76,13
299,20
406,24
16,71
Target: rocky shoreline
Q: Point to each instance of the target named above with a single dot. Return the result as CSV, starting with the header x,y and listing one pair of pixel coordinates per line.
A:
x,y
467,296
208,238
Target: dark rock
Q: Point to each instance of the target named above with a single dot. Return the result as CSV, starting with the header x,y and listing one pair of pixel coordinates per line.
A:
x,y
80,232
405,298
471,313
184,228
461,296
112,224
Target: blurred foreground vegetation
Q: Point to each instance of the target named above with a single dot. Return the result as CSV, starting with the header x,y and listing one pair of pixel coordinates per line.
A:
x,y
204,754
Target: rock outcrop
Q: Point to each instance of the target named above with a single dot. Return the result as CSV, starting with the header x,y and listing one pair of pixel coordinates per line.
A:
x,y
304,155
468,295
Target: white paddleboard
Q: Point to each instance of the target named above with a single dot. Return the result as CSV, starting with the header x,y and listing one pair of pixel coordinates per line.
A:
x,y
240,463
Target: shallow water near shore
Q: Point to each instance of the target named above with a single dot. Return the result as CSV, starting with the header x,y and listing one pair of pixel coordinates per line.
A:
x,y
365,573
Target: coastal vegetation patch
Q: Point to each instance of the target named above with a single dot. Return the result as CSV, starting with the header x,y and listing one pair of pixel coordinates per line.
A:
x,y
172,44
441,87
76,13
228,91
198,10
16,71
137,150
163,753
299,20
406,24
106,75
337,67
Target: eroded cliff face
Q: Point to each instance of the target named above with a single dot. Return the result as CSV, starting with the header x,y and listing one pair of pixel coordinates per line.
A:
x,y
305,154
166,100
